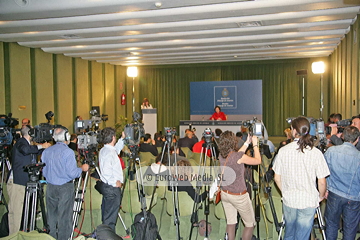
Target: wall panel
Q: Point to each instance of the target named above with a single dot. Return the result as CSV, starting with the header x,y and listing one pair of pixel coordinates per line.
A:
x,y
110,95
82,92
44,99
120,85
64,92
345,75
20,81
2,80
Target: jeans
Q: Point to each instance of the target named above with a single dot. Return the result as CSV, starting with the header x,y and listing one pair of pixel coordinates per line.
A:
x,y
110,205
350,211
298,222
59,205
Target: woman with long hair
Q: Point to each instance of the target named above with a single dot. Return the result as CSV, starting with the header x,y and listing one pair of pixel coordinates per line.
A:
x,y
296,167
234,196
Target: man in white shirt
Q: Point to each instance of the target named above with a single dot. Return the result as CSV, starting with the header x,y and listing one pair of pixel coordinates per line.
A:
x,y
111,174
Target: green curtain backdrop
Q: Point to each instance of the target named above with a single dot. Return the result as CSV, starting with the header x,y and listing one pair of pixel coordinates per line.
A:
x,y
168,88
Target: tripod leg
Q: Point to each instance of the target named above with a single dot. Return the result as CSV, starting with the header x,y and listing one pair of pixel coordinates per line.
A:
x,y
43,211
26,210
33,211
122,222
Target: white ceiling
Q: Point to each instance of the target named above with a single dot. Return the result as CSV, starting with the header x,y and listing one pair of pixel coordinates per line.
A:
x,y
148,32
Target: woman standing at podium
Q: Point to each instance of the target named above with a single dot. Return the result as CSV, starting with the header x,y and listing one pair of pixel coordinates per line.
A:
x,y
146,104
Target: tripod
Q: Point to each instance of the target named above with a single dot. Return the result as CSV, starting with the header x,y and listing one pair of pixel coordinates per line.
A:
x,y
166,148
81,189
4,162
207,146
34,192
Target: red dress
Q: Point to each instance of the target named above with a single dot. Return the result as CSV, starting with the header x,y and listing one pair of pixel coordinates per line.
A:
x,y
220,115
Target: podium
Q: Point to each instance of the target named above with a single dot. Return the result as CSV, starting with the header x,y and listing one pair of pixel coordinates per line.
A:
x,y
149,118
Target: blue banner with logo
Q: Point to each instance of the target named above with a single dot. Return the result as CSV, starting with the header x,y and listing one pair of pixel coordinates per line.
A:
x,y
233,97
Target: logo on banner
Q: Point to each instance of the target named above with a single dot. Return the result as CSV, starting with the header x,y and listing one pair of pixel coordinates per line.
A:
x,y
225,97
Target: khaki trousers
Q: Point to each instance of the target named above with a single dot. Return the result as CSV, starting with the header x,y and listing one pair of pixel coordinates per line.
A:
x,y
16,194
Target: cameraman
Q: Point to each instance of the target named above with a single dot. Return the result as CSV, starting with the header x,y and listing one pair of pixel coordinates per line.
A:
x,y
60,171
336,140
343,186
22,154
111,174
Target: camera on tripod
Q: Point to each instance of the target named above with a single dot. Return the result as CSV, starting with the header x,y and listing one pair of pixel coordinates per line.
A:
x,y
134,131
7,131
87,141
44,131
208,135
34,170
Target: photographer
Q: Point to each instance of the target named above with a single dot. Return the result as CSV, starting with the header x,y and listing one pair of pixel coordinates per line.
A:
x,y
22,154
111,174
234,196
343,186
297,166
60,171
336,137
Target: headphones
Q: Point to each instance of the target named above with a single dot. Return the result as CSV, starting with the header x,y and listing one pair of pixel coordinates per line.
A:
x,y
61,138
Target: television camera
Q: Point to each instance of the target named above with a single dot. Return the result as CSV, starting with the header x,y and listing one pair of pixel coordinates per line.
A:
x,y
340,126
317,131
208,135
90,124
169,133
134,131
257,128
44,131
7,131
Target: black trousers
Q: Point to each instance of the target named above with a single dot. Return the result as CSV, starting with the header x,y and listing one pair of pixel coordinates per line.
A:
x,y
110,205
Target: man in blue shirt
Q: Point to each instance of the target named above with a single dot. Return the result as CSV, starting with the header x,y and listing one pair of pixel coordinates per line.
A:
x,y
343,186
60,171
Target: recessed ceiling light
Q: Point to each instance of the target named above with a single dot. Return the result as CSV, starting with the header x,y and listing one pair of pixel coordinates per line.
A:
x,y
70,36
158,4
249,24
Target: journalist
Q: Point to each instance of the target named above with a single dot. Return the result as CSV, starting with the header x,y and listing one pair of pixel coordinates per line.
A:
x,y
234,197
296,167
343,186
111,175
60,171
23,153
337,140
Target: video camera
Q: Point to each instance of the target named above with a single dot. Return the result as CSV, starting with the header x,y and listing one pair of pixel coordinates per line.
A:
x,y
7,131
134,131
255,126
340,126
169,133
317,126
87,141
208,135
44,131
90,124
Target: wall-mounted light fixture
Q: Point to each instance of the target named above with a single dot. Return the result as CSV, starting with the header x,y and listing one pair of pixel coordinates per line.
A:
x,y
132,72
319,68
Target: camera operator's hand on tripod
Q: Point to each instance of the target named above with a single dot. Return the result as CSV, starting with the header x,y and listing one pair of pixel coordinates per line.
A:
x,y
85,167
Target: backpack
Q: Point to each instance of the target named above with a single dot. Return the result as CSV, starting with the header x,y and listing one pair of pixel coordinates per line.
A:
x,y
138,227
4,225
